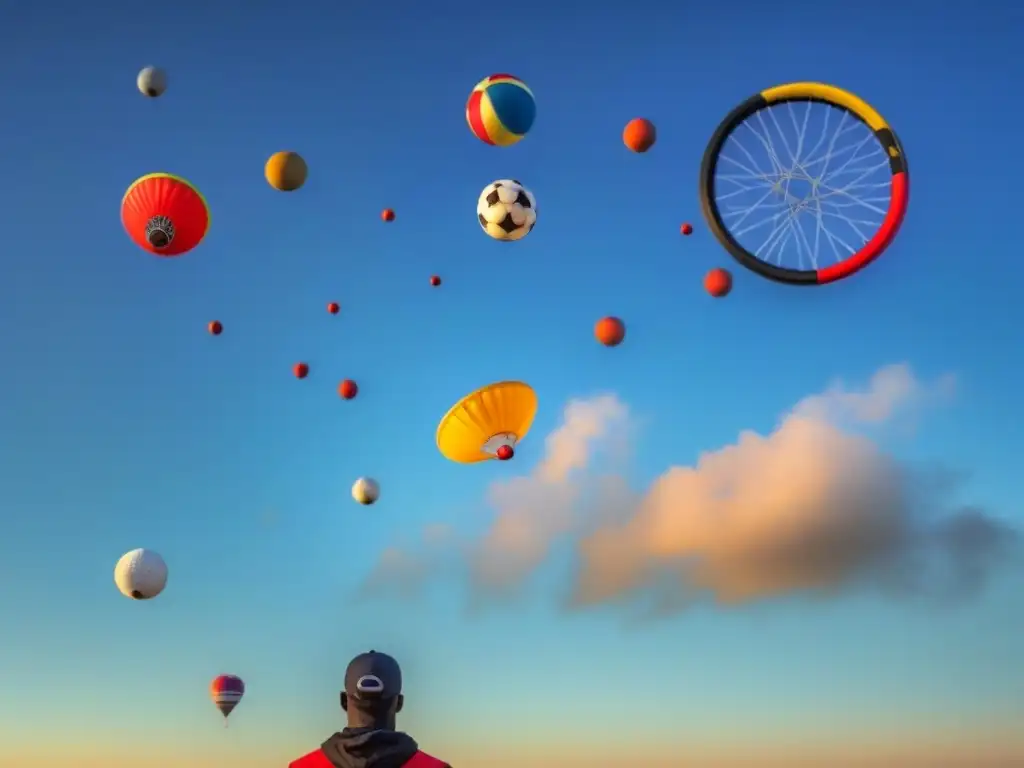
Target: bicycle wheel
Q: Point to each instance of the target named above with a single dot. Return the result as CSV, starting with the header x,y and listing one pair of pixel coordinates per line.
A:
x,y
797,207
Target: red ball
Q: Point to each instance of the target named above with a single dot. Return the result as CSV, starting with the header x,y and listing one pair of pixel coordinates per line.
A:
x,y
718,282
333,308
301,370
505,452
348,389
610,331
387,215
639,135
435,281
686,229
215,327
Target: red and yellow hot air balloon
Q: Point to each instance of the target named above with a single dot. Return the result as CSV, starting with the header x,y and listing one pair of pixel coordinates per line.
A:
x,y
226,691
164,214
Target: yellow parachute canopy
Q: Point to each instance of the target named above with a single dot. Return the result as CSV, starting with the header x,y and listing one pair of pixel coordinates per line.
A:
x,y
488,423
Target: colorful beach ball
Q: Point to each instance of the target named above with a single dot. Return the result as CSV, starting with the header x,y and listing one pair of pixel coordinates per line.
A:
x,y
500,110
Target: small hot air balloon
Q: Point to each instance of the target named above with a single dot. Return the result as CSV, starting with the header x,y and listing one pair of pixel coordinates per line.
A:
x,y
285,171
333,308
686,229
435,280
164,214
348,389
301,370
387,215
366,490
488,423
718,282
610,331
152,82
639,135
215,327
140,574
226,691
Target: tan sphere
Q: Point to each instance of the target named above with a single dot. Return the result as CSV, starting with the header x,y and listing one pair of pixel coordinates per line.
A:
x,y
285,171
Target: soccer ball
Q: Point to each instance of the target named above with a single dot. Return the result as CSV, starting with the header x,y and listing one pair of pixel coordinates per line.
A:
x,y
507,210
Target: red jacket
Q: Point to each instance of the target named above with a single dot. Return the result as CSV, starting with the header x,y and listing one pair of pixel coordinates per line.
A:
x,y
319,760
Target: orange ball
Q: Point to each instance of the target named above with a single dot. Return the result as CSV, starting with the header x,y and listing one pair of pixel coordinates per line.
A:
x,y
285,171
686,229
301,370
718,282
215,327
610,331
333,308
348,389
435,281
387,215
639,135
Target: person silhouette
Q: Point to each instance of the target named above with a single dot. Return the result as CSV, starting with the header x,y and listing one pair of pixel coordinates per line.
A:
x,y
371,701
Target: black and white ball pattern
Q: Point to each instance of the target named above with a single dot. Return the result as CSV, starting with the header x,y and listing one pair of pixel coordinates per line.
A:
x,y
507,210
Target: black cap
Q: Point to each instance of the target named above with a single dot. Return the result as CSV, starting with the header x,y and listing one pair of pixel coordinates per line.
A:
x,y
373,675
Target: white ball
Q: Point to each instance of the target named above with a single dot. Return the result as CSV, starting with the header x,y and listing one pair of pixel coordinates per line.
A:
x,y
152,82
507,210
141,574
366,490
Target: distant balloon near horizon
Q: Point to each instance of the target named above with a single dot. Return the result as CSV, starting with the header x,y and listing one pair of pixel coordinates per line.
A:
x,y
226,691
152,82
286,171
140,574
501,110
366,490
639,135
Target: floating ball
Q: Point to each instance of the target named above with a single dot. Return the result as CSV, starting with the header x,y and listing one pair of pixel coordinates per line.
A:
x,y
639,135
610,331
500,110
285,171
718,282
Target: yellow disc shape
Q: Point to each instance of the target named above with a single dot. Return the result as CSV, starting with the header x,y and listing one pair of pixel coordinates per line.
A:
x,y
507,407
285,171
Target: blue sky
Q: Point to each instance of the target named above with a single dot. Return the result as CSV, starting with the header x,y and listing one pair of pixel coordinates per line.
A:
x,y
124,424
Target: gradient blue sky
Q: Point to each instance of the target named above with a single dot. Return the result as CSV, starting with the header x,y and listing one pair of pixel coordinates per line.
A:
x,y
124,424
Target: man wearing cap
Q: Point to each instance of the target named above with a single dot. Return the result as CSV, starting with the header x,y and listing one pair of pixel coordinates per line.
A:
x,y
371,699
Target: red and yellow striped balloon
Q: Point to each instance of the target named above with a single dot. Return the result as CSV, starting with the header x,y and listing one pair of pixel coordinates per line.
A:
x,y
501,110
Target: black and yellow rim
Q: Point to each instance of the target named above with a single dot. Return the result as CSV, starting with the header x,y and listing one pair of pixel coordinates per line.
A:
x,y
836,97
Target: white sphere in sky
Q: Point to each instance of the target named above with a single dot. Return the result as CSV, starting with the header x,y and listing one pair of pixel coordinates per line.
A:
x,y
140,574
366,490
152,82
